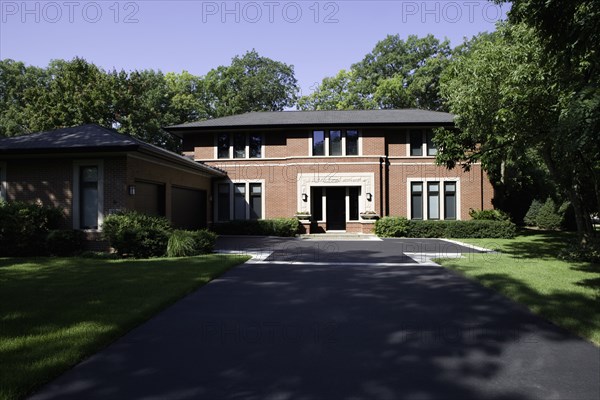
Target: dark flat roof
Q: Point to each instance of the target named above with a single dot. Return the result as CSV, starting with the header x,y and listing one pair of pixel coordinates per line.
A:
x,y
90,138
407,116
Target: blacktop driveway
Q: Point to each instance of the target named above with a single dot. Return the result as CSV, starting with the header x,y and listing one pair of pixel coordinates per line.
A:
x,y
350,326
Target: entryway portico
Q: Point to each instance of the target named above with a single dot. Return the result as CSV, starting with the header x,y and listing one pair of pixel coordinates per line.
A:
x,y
336,200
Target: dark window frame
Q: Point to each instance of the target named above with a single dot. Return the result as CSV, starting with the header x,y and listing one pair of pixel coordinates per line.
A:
x,y
452,195
414,195
83,185
431,194
415,137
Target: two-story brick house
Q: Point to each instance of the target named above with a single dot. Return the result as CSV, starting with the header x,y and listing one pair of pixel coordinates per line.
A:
x,y
333,165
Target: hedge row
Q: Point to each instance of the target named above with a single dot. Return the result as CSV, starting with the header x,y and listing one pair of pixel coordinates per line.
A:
x,y
401,227
285,227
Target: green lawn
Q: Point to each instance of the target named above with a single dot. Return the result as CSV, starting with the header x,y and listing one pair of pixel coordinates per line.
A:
x,y
527,270
54,312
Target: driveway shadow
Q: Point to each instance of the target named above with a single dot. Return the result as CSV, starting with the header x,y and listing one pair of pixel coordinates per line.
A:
x,y
295,331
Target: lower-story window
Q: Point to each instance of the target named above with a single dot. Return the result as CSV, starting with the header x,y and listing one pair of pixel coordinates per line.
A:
x,y
2,181
88,198
255,200
450,200
223,202
88,192
433,200
239,201
416,200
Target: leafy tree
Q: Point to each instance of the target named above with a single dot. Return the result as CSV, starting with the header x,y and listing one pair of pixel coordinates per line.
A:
x,y
395,74
143,106
137,103
250,83
507,103
72,93
189,98
567,30
335,93
16,82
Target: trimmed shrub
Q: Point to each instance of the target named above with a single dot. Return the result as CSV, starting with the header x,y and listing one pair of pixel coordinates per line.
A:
x,y
548,216
400,227
190,243
285,227
489,215
391,227
138,235
531,216
427,229
64,242
24,226
205,241
480,229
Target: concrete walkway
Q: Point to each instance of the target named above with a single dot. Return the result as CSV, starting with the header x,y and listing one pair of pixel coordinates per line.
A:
x,y
348,326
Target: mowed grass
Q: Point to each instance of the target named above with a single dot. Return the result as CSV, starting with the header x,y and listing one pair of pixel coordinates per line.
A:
x,y
527,269
54,312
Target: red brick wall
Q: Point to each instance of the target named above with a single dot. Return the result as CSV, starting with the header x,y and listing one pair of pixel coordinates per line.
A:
x,y
50,181
45,181
161,172
287,154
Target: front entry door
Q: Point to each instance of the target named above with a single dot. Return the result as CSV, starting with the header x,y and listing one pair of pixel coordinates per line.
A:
x,y
336,208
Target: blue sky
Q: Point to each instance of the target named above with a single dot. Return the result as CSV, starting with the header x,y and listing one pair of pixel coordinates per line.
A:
x,y
318,37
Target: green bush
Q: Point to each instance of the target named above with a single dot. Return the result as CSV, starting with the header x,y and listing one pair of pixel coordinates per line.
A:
x,y
64,242
205,241
24,226
190,243
400,227
480,229
568,222
181,244
285,227
137,235
531,216
589,252
391,227
548,216
489,215
427,229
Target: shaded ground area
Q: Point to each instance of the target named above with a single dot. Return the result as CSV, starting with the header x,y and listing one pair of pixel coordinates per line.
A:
x,y
336,251
296,331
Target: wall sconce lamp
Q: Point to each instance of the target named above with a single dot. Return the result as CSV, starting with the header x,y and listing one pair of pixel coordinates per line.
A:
x,y
304,197
369,197
131,190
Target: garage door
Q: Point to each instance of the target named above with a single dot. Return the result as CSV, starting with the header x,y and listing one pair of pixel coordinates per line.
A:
x,y
150,198
188,208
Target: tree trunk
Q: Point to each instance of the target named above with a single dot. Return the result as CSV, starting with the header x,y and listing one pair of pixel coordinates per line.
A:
x,y
571,185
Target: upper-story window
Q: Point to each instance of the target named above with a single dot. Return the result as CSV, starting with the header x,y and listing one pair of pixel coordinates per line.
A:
x,y
351,142
318,143
421,143
335,142
239,145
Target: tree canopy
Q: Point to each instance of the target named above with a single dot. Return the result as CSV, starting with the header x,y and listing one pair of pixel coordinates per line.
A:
x,y
137,103
512,102
397,73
